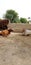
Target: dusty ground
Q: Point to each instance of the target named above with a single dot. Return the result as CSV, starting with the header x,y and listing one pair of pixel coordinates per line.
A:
x,y
15,50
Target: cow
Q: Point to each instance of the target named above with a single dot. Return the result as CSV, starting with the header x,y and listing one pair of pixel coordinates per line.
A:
x,y
26,32
3,24
6,32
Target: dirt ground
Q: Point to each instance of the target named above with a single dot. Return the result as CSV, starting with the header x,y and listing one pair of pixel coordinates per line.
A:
x,y
15,50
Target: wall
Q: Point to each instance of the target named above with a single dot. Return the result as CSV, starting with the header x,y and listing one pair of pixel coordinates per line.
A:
x,y
19,26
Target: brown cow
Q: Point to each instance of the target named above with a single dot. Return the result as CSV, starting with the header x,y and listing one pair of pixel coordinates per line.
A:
x,y
6,32
4,22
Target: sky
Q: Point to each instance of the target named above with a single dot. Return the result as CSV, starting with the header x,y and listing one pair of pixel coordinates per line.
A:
x,y
23,7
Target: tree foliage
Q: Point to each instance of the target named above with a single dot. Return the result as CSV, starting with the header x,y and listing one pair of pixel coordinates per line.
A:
x,y
12,16
23,20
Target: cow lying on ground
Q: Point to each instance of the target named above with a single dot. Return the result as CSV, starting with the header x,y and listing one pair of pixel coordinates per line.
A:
x,y
5,32
26,32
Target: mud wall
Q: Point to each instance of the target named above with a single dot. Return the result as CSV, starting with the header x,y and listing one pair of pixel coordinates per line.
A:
x,y
19,26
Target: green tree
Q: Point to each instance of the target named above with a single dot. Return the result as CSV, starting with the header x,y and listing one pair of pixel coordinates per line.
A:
x,y
23,20
12,16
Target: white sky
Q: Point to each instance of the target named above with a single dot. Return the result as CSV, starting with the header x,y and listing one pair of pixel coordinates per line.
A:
x,y
23,7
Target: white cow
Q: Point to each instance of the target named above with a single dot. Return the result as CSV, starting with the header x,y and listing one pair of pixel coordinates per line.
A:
x,y
27,32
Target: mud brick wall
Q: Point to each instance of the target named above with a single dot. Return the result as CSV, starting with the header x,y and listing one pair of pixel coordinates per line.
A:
x,y
19,26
